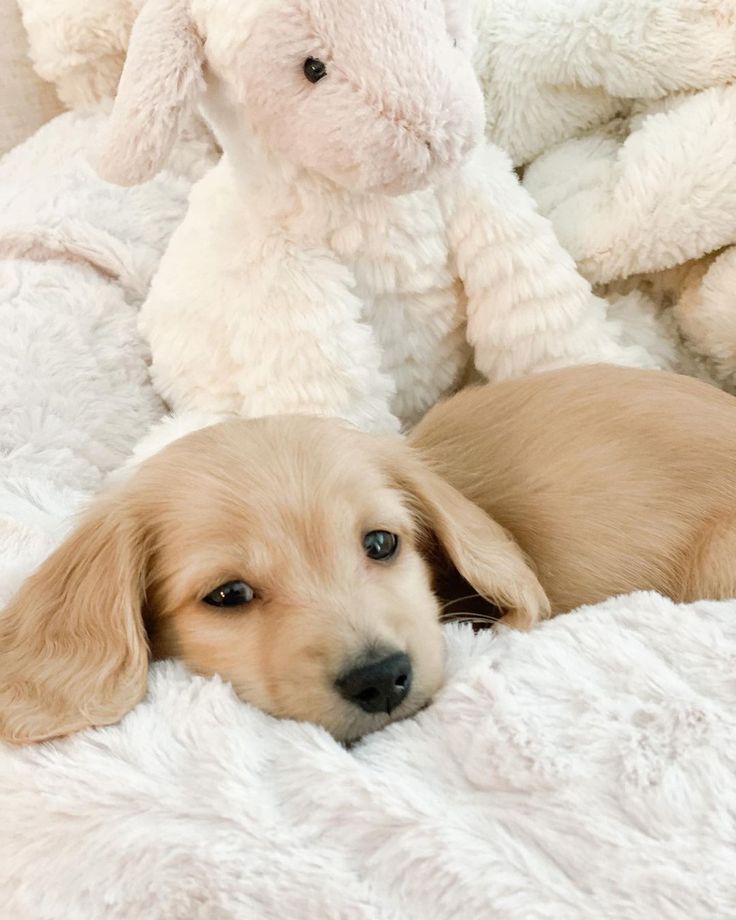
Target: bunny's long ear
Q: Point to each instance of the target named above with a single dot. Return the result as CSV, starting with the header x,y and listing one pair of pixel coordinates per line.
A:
x,y
480,549
161,82
73,650
459,17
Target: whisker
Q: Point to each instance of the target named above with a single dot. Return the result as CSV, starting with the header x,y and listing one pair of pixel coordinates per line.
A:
x,y
468,618
459,600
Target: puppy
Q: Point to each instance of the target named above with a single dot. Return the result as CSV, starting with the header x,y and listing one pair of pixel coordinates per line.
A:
x,y
293,556
297,557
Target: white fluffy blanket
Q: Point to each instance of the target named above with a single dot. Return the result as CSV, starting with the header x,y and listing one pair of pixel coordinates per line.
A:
x,y
76,258
585,770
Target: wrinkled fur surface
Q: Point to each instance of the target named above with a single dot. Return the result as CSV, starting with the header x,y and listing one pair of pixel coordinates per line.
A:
x,y
635,147
76,256
583,769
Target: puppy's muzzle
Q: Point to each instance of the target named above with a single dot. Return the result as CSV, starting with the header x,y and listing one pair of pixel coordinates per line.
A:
x,y
377,686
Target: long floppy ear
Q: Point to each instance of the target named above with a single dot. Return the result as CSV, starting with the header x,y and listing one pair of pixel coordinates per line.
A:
x,y
73,651
480,549
161,82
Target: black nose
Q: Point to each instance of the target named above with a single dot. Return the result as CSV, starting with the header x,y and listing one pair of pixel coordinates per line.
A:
x,y
379,686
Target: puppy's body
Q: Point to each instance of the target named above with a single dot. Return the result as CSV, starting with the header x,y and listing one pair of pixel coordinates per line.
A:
x,y
610,480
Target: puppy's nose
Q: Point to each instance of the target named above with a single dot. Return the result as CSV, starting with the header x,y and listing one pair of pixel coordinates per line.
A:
x,y
379,686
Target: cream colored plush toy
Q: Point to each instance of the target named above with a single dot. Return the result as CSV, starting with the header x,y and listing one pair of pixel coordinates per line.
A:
x,y
359,243
625,111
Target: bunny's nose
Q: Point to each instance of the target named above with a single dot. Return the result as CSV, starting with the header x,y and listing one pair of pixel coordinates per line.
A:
x,y
378,686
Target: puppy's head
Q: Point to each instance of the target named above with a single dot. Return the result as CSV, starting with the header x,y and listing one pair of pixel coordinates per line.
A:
x,y
288,555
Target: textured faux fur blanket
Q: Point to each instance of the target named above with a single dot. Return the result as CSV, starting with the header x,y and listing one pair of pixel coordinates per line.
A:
x,y
584,770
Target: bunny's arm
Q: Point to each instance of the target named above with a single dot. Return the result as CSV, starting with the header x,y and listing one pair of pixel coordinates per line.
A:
x,y
631,49
247,323
528,309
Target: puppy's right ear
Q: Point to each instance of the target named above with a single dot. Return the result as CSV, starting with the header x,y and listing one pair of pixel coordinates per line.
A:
x,y
480,549
73,651
161,82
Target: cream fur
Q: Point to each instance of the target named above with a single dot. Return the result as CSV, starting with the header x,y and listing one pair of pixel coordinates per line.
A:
x,y
652,186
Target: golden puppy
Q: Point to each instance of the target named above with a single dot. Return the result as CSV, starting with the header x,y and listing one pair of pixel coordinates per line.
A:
x,y
298,558
290,555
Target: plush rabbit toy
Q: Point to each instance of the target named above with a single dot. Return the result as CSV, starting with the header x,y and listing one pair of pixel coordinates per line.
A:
x,y
359,242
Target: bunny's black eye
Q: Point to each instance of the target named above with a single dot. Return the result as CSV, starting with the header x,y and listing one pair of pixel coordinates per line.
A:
x,y
314,70
380,545
232,594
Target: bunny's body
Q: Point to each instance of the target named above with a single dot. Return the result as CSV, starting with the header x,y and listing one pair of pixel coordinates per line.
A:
x,y
388,308
359,243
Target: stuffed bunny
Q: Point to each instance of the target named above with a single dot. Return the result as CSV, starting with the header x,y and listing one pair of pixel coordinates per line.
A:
x,y
359,242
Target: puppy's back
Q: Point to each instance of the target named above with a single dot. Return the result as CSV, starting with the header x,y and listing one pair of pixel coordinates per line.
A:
x,y
611,479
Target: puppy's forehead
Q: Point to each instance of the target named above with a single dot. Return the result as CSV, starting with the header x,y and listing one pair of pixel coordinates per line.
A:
x,y
285,500
275,468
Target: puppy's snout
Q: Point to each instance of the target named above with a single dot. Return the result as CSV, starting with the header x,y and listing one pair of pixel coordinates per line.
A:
x,y
379,686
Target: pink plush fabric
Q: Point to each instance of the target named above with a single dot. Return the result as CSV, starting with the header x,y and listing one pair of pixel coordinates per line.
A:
x,y
400,101
160,84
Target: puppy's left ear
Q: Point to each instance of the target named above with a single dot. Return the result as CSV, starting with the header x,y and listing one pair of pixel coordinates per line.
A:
x,y
73,648
480,549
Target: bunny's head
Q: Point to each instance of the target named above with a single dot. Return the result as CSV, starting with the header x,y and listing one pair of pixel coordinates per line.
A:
x,y
374,95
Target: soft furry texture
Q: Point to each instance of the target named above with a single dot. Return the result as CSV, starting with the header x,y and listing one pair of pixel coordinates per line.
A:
x,y
553,69
296,249
583,769
635,147
610,479
79,45
76,256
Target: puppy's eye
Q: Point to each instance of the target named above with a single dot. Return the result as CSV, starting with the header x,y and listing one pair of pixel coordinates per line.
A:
x,y
380,544
232,594
314,70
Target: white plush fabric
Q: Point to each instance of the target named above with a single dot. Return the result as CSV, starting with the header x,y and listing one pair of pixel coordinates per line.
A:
x,y
585,769
76,257
334,295
553,69
371,324
79,45
626,115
